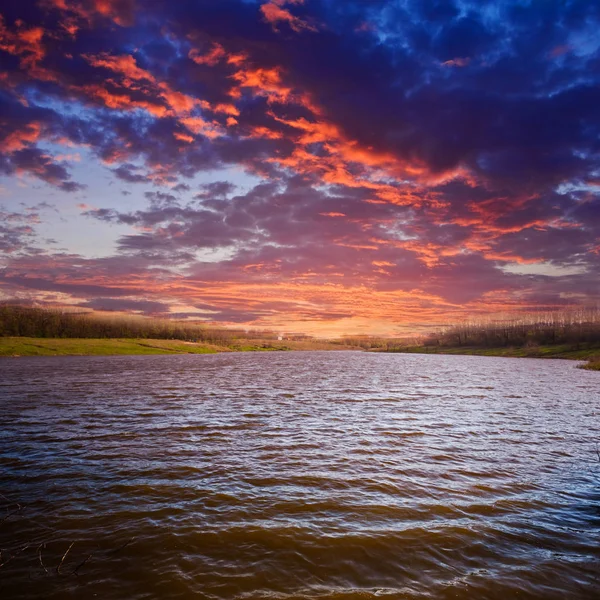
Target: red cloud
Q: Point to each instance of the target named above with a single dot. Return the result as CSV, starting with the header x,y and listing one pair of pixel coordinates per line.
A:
x,y
122,12
124,64
27,44
274,13
211,58
19,139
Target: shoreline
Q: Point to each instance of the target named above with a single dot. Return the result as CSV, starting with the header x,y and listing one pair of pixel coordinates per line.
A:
x,y
559,351
14,347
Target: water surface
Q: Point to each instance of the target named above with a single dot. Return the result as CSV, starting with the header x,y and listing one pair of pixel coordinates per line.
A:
x,y
299,475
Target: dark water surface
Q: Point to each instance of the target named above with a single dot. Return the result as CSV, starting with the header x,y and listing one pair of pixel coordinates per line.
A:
x,y
299,475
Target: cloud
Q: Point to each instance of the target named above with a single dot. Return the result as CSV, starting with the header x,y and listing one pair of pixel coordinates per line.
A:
x,y
418,150
127,172
33,161
274,13
16,230
148,307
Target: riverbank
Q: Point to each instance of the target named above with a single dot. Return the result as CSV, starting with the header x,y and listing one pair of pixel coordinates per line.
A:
x,y
564,351
28,346
25,346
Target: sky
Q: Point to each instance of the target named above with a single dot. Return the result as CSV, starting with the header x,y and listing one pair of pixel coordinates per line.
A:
x,y
320,166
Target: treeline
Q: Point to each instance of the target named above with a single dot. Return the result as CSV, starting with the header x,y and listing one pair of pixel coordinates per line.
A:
x,y
373,342
573,326
54,323
581,326
25,321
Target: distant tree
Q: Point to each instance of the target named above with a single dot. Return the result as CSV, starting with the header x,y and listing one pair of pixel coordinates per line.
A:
x,y
572,326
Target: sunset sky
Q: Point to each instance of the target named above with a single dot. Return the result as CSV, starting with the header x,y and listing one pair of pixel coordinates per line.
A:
x,y
324,166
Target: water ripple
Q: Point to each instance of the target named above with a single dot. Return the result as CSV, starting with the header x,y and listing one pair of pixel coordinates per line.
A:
x,y
331,476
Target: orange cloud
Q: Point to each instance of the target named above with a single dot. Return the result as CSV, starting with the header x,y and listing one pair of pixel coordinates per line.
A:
x,y
183,137
19,139
265,132
179,102
514,258
198,125
338,166
354,246
27,44
119,11
124,64
266,82
382,263
226,109
211,58
274,13
122,101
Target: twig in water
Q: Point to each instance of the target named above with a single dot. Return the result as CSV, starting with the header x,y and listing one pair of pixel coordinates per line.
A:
x,y
63,558
113,552
42,545
15,554
74,571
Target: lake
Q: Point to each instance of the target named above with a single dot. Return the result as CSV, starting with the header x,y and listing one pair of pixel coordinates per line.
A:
x,y
330,475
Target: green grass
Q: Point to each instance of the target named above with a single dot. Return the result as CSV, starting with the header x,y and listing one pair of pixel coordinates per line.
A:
x,y
27,346
24,346
565,351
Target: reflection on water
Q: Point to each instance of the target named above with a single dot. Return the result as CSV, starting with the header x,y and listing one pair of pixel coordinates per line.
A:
x,y
295,475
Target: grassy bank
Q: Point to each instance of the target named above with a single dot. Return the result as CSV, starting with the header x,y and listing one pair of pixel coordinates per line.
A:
x,y
26,346
30,346
270,345
590,353
593,364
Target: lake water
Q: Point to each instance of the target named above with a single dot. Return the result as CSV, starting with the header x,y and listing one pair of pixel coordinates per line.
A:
x,y
332,475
